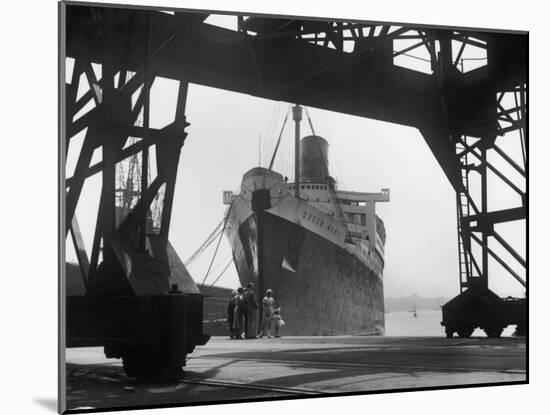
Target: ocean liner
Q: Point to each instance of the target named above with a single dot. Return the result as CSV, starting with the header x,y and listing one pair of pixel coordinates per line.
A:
x,y
320,249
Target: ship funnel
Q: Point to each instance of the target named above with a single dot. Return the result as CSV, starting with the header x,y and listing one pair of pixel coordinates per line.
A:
x,y
314,159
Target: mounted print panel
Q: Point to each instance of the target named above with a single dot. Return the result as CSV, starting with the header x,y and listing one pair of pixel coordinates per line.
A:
x,y
268,207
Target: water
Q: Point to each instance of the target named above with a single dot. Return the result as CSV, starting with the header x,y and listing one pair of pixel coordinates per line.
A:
x,y
427,323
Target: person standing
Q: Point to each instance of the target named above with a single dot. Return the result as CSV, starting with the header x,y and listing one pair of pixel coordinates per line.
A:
x,y
267,318
238,314
278,321
251,315
231,313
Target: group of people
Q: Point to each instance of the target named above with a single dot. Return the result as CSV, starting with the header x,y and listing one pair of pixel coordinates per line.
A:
x,y
242,314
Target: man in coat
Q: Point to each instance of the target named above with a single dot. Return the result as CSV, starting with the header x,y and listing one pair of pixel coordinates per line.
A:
x,y
251,312
238,313
231,313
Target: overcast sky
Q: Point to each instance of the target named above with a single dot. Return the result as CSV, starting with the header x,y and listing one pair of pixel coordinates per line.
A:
x,y
231,133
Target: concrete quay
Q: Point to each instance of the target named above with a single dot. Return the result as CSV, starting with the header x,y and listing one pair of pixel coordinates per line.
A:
x,y
240,370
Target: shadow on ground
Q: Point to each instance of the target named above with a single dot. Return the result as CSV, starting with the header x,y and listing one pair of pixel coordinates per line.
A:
x,y
332,369
48,403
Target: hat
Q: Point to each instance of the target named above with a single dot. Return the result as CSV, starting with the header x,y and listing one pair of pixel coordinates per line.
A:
x,y
269,291
250,285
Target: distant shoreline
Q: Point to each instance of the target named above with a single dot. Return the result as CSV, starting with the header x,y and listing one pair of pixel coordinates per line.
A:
x,y
413,301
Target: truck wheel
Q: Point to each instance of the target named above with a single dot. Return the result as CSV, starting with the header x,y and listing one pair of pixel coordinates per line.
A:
x,y
493,332
465,332
129,366
520,330
449,332
145,367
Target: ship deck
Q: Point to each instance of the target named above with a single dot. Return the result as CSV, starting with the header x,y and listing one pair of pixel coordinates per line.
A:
x,y
240,370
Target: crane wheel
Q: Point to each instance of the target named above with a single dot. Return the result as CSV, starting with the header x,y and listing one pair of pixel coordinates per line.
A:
x,y
465,332
143,367
493,332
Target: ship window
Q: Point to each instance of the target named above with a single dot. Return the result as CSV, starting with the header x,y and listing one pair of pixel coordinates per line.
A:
x,y
308,186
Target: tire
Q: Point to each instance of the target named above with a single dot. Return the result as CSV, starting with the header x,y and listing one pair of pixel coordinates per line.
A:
x,y
493,332
129,366
520,331
449,332
465,332
144,367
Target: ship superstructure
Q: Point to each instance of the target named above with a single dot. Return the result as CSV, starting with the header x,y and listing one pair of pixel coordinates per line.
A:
x,y
320,249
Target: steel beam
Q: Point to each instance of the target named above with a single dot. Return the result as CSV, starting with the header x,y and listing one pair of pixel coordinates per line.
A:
x,y
394,95
80,250
500,216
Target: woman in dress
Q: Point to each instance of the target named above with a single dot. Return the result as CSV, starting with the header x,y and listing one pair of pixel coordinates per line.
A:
x,y
267,316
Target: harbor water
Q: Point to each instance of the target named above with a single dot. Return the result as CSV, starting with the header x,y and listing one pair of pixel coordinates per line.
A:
x,y
426,323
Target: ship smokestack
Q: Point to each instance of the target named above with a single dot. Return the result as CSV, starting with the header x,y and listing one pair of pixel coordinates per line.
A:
x,y
314,159
297,117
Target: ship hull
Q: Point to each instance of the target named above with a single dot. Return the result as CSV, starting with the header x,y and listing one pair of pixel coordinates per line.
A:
x,y
321,287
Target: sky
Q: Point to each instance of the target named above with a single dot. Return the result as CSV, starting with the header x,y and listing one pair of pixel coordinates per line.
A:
x,y
231,133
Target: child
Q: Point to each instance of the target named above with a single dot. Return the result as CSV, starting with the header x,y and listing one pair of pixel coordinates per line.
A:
x,y
277,321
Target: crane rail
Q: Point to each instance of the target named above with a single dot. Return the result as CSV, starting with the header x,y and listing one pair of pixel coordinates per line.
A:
x,y
254,386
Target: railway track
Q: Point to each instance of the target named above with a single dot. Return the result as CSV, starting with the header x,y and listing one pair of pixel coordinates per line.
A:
x,y
376,365
253,386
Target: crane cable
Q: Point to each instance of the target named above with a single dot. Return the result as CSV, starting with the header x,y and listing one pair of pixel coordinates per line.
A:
x,y
278,140
199,251
205,244
215,252
309,121
223,272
